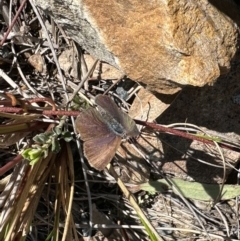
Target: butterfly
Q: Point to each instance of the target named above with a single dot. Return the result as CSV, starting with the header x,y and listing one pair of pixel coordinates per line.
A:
x,y
102,130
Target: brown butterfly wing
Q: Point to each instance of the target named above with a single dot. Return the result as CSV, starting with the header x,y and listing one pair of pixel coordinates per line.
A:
x,y
129,124
90,125
110,106
100,151
100,143
124,119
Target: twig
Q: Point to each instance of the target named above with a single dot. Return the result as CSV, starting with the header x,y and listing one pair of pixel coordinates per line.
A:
x,y
22,75
13,22
10,81
83,80
116,82
10,164
51,47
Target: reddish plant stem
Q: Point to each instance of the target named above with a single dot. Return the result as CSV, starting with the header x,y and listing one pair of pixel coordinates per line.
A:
x,y
6,102
148,124
10,164
45,112
185,135
173,131
61,112
13,22
11,110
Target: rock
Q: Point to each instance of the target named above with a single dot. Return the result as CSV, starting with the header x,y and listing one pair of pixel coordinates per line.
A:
x,y
212,109
106,71
163,44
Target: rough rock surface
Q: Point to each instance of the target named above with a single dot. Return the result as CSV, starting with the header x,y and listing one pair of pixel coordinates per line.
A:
x,y
158,43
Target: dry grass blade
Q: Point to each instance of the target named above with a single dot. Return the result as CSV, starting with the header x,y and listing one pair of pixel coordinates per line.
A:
x,y
20,216
25,192
10,81
8,196
67,192
9,134
148,226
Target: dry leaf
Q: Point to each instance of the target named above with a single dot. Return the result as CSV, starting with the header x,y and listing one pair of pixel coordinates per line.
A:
x,y
68,62
38,62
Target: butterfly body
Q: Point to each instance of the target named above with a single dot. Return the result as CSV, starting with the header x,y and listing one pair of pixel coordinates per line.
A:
x,y
113,124
102,130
